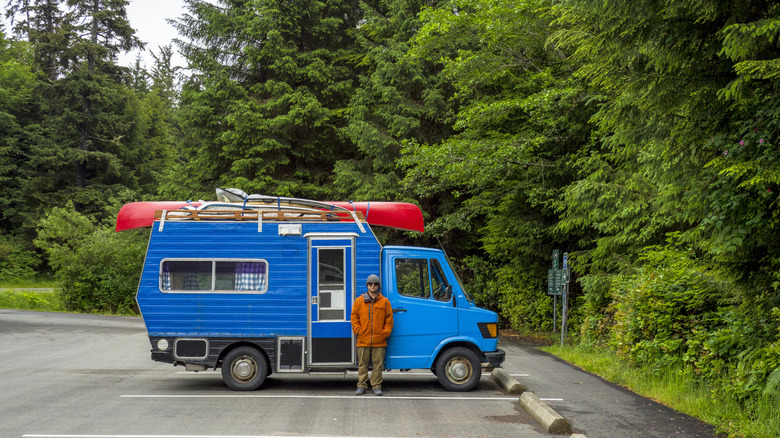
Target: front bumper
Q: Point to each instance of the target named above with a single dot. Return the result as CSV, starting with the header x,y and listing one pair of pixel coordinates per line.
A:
x,y
495,358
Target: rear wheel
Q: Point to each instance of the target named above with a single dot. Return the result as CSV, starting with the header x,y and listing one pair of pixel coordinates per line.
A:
x,y
458,369
244,369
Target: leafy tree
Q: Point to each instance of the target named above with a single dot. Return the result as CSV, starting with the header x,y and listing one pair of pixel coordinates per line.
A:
x,y
521,117
139,77
686,150
164,75
100,33
670,132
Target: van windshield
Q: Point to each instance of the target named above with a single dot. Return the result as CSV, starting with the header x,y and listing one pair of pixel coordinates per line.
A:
x,y
457,278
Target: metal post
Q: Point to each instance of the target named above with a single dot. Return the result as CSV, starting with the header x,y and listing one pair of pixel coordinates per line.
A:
x,y
563,314
555,312
565,311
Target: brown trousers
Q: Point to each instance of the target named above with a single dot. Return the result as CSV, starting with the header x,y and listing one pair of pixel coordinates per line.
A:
x,y
377,357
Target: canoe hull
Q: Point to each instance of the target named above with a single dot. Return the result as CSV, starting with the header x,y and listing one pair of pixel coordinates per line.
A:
x,y
401,215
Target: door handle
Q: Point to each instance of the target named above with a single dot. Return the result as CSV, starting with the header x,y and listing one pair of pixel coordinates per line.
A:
x,y
399,310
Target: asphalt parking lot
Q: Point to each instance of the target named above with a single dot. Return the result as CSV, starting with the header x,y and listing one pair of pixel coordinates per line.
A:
x,y
91,376
86,376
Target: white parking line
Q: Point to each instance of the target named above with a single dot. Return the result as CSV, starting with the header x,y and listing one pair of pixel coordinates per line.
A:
x,y
394,373
386,397
35,435
519,375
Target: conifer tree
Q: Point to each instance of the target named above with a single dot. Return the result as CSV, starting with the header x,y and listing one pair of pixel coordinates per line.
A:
x,y
44,25
264,107
91,143
18,128
398,98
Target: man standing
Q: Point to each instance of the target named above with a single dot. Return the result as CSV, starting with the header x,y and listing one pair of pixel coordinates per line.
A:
x,y
372,322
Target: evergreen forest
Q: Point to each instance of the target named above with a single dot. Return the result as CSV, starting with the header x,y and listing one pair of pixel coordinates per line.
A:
x,y
639,136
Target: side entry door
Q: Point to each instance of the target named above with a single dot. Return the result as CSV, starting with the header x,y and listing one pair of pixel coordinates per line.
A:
x,y
331,291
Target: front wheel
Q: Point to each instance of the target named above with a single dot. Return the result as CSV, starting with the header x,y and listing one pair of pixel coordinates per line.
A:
x,y
458,369
244,369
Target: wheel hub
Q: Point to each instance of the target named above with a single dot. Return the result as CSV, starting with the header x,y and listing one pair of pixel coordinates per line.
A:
x,y
459,370
244,369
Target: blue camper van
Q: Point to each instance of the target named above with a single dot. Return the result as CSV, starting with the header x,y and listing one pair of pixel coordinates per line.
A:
x,y
256,289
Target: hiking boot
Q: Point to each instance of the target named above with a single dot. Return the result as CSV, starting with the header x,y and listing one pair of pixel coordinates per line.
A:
x,y
377,391
360,391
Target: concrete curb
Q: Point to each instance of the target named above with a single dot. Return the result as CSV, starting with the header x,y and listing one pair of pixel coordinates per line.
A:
x,y
509,383
551,421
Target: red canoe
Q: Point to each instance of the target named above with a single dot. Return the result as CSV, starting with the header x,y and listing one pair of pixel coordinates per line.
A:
x,y
400,215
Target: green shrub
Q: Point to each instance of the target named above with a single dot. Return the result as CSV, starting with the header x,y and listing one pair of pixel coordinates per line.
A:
x,y
657,307
97,269
672,312
17,260
598,310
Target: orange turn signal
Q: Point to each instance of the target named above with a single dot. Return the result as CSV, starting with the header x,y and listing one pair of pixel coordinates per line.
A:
x,y
488,329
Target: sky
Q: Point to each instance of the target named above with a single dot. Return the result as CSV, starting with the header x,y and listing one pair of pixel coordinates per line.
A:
x,y
148,17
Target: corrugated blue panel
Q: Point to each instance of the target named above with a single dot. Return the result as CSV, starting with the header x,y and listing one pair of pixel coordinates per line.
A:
x,y
367,262
281,311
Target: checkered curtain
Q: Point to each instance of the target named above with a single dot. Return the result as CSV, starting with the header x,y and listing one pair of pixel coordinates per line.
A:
x,y
166,279
250,276
191,281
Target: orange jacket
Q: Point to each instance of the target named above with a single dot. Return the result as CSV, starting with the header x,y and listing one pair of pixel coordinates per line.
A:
x,y
372,322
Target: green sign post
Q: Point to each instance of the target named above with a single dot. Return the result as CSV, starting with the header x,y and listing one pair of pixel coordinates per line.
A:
x,y
558,285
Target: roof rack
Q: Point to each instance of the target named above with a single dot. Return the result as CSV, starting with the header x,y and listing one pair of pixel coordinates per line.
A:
x,y
251,214
259,215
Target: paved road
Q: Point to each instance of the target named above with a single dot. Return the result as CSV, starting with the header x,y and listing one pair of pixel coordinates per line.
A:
x,y
64,375
593,406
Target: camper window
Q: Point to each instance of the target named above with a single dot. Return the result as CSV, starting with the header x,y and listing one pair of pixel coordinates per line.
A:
x,y
198,275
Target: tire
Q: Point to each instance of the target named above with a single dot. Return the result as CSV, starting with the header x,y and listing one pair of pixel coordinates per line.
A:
x,y
244,369
458,369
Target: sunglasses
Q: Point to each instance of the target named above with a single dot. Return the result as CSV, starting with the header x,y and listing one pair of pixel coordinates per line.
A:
x,y
372,284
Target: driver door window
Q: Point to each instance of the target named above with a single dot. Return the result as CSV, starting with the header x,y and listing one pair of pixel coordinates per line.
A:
x,y
419,278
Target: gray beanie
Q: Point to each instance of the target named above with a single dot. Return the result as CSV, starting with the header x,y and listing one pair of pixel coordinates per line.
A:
x,y
372,279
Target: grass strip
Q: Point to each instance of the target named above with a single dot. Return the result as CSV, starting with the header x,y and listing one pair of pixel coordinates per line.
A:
x,y
31,300
672,388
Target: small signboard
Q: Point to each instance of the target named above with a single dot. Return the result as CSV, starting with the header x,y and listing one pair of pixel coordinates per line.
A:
x,y
554,281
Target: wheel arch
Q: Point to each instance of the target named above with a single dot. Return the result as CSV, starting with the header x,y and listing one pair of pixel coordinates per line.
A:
x,y
452,343
238,344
